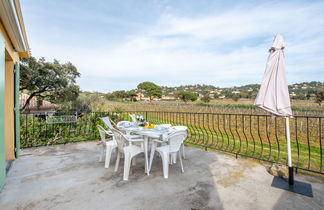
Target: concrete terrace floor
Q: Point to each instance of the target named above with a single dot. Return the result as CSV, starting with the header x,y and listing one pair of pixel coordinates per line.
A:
x,y
70,177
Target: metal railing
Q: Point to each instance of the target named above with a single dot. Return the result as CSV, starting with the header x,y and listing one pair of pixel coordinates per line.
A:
x,y
260,137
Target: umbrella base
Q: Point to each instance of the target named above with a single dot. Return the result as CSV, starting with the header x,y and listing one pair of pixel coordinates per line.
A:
x,y
301,188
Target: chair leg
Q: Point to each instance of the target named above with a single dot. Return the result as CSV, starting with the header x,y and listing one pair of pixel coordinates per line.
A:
x,y
165,162
174,158
183,151
117,161
102,154
108,156
180,159
127,163
152,154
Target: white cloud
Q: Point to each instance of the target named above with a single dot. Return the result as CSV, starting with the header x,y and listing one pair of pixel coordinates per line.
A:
x,y
219,49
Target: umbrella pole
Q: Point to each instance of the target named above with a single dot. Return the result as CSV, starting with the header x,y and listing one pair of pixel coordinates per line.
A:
x,y
290,167
301,188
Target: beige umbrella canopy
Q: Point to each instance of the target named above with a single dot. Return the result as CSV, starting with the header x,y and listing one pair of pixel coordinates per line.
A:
x,y
273,95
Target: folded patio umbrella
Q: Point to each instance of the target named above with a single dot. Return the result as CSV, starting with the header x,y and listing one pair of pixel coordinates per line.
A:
x,y
273,95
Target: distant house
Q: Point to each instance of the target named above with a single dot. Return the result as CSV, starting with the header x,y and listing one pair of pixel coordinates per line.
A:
x,y
222,97
293,94
216,91
45,107
139,96
168,98
236,92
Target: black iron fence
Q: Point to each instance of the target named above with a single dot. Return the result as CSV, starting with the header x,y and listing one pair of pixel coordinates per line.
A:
x,y
260,137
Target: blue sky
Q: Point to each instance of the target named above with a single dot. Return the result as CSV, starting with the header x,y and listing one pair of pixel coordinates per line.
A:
x,y
117,44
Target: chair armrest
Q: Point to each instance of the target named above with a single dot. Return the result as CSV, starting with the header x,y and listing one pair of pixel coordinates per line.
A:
x,y
109,133
113,122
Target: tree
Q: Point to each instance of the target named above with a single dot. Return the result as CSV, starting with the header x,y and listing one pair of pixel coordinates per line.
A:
x,y
150,89
187,96
82,104
206,98
319,96
132,94
236,97
121,94
52,81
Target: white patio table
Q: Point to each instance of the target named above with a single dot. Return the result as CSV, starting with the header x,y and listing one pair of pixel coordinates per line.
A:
x,y
147,134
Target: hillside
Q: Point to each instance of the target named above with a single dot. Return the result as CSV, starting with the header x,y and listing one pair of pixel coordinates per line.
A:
x,y
302,91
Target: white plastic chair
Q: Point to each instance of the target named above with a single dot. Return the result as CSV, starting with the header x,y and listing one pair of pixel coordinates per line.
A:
x,y
125,124
180,128
108,146
128,150
175,140
107,121
137,119
159,140
156,140
133,117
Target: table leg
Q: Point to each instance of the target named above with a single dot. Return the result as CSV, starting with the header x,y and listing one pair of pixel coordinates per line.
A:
x,y
146,155
152,154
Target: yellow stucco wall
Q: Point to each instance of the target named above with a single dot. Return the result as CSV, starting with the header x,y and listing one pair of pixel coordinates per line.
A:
x,y
11,58
9,111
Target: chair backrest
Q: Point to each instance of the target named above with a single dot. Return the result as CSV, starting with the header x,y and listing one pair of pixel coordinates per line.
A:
x,y
106,121
176,139
120,139
102,133
133,117
125,124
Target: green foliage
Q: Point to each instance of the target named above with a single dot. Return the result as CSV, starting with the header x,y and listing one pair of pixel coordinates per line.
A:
x,y
132,94
82,104
187,96
51,81
150,89
206,98
121,95
319,96
86,102
118,109
236,97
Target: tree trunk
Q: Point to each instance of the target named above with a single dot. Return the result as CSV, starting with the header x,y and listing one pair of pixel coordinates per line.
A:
x,y
27,101
31,96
